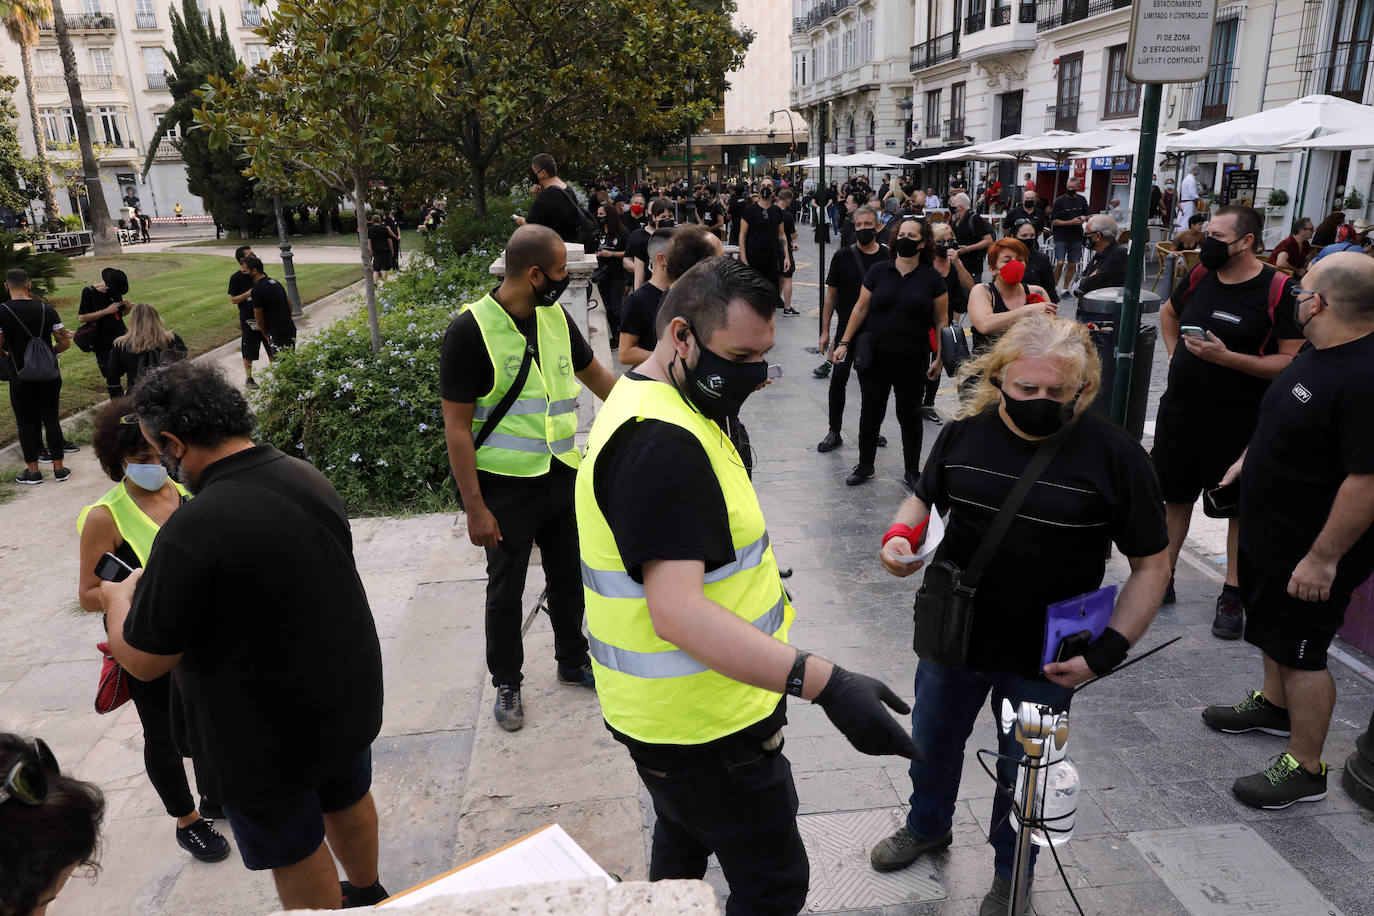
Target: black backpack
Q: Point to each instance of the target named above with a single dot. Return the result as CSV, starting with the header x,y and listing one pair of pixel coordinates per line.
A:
x,y
586,226
40,362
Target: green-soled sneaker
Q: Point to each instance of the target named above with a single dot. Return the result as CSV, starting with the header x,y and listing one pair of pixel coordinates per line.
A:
x,y
1284,783
1252,714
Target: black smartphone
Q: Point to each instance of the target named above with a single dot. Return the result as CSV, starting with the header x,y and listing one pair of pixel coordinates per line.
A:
x,y
111,568
1073,645
1223,499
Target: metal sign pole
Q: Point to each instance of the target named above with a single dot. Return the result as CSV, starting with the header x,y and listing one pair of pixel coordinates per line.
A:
x,y
823,223
1129,321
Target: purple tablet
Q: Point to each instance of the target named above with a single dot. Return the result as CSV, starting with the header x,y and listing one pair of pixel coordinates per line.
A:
x,y
1092,611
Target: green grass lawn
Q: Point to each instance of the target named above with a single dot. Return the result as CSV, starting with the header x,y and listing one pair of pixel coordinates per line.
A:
x,y
188,290
411,240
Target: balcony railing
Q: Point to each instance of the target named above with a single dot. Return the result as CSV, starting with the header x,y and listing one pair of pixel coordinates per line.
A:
x,y
937,50
252,16
145,20
1063,116
933,127
1206,102
1001,15
975,21
165,150
824,10
52,83
799,24
157,80
1025,12
84,22
1341,71
954,129
1051,14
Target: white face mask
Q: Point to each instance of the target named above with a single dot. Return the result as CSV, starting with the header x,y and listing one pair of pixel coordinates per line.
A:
x,y
150,477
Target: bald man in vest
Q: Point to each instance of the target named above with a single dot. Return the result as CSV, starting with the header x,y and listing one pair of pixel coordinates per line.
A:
x,y
508,375
686,612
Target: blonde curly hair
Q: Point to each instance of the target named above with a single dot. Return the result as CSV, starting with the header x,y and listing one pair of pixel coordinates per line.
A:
x,y
1060,339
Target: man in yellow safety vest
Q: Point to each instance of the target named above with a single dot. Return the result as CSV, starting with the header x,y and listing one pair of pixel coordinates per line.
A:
x,y
686,612
508,377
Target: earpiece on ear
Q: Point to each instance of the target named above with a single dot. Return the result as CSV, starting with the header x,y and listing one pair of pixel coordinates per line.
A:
x,y
682,335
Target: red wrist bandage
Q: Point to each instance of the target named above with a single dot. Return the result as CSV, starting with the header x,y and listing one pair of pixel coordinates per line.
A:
x,y
913,535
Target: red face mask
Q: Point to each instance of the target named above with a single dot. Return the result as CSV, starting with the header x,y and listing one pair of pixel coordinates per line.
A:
x,y
1013,272
637,209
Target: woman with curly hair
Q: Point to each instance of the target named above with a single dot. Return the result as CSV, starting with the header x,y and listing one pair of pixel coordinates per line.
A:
x,y
49,826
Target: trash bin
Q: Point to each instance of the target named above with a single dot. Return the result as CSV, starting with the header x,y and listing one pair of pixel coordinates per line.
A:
x,y
1104,340
1104,305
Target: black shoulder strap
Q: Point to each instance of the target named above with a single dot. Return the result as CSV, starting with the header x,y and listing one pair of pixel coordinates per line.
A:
x,y
993,539
858,261
503,406
32,336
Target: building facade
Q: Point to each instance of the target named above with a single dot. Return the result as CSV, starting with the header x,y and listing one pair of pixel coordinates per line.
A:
x,y
122,66
979,70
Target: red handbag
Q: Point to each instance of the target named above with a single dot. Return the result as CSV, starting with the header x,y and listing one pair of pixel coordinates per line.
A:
x,y
113,691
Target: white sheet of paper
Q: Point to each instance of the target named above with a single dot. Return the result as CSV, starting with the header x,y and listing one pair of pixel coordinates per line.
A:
x,y
935,533
545,855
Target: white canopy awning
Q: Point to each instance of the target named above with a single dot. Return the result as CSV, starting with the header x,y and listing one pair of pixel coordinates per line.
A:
x,y
808,163
1358,138
1276,129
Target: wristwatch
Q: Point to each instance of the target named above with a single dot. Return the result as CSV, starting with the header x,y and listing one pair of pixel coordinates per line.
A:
x,y
797,674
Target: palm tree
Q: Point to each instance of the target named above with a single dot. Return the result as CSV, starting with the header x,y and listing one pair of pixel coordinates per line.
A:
x,y
104,241
21,19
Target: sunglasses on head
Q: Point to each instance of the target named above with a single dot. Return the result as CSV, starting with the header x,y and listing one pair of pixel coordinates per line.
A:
x,y
27,780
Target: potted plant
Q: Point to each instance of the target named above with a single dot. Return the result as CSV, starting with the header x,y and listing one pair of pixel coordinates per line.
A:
x,y
1353,205
1278,199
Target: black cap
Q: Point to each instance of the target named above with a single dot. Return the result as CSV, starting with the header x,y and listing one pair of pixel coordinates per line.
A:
x,y
115,281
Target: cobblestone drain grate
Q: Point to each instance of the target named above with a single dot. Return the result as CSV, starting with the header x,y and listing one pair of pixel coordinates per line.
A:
x,y
841,878
1224,869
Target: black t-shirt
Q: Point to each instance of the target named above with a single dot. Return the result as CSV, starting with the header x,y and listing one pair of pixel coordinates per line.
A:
x,y
901,309
789,224
847,275
552,208
1237,313
30,317
639,315
270,296
1040,272
709,211
762,245
279,685
1067,206
378,238
108,327
738,204
971,230
240,283
615,267
1099,490
637,248
1315,427
1016,214
958,296
465,370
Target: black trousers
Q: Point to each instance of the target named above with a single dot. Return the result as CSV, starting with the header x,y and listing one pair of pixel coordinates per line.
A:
x,y
932,389
771,270
903,375
36,413
113,386
532,512
839,376
153,700
612,292
743,808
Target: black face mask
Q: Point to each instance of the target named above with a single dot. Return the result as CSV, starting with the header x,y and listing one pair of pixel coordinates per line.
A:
x,y
906,247
1213,253
765,192
718,386
865,236
1038,416
1297,315
548,294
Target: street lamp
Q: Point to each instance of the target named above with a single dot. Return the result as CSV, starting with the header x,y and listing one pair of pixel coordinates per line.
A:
x,y
287,263
790,126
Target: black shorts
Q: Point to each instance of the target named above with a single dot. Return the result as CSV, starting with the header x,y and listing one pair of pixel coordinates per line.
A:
x,y
250,341
1189,460
1292,632
790,271
291,830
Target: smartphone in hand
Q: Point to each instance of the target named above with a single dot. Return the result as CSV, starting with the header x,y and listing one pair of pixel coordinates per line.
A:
x,y
111,568
1192,330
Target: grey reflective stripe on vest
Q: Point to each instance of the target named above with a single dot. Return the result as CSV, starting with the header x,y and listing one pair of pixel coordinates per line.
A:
x,y
521,444
672,662
612,583
527,406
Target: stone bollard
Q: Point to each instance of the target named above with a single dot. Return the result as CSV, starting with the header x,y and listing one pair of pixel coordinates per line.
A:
x,y
1358,779
580,268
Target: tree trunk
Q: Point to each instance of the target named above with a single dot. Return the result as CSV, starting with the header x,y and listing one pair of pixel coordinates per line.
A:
x,y
52,215
327,211
369,278
104,240
479,188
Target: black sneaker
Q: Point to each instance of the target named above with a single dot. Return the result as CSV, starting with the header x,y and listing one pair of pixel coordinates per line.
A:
x,y
860,475
1284,783
1253,714
581,676
29,477
510,712
909,481
998,898
61,474
901,849
203,841
361,896
250,382
931,415
1169,595
45,457
882,442
1230,620
789,311
831,442
823,369
69,448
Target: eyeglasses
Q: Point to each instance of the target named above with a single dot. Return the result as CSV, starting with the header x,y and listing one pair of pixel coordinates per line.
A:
x,y
27,781
1299,292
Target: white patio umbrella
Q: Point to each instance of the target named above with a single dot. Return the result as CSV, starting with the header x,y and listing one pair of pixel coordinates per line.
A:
x,y
881,160
810,162
1275,129
1357,138
954,155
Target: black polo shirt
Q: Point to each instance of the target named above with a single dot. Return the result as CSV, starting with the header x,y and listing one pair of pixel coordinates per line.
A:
x,y
901,307
270,296
253,583
240,283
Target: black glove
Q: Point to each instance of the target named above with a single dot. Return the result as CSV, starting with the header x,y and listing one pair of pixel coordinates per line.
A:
x,y
854,704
